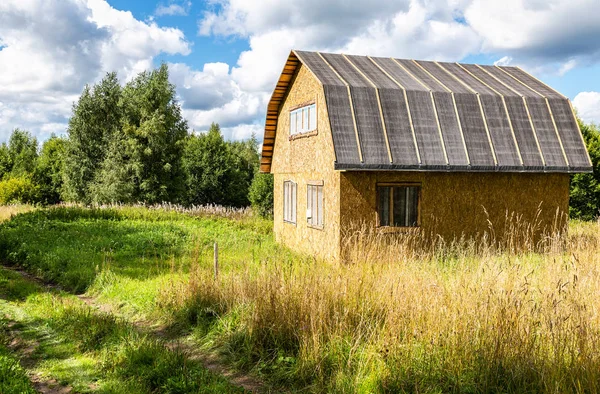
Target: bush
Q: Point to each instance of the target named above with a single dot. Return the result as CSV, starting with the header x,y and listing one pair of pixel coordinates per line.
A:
x,y
261,194
585,188
18,190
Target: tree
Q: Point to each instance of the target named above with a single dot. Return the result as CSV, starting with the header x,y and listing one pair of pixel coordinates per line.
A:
x,y
585,188
145,157
22,153
96,119
261,194
48,174
5,162
245,164
217,171
207,164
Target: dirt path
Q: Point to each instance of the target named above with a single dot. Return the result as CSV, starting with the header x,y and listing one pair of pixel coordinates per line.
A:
x,y
25,350
210,361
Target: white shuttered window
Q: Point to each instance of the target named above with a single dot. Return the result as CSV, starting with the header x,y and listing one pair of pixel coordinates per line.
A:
x,y
314,205
289,202
303,119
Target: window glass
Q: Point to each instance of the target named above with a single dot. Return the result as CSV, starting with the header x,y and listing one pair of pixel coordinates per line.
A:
x,y
292,123
289,201
305,125
303,120
384,206
314,205
398,206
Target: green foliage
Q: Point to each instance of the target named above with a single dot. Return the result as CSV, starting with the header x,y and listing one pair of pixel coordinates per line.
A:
x,y
18,158
261,194
585,188
22,150
5,161
125,143
96,119
218,172
48,174
13,378
144,162
18,190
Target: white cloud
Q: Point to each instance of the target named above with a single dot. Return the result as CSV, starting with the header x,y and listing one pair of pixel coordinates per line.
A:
x,y
49,49
173,9
503,61
243,131
535,31
588,106
203,90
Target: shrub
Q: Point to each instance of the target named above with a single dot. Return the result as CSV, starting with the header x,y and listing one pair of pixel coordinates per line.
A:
x,y
585,188
261,194
18,190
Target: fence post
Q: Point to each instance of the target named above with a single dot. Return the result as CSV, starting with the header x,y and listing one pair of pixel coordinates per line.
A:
x,y
216,260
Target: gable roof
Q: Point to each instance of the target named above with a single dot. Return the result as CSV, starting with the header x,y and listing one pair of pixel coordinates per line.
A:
x,y
396,114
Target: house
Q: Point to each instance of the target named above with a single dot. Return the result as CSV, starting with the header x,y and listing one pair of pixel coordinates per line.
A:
x,y
403,145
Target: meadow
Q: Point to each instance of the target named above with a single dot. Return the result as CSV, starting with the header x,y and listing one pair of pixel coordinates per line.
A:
x,y
397,316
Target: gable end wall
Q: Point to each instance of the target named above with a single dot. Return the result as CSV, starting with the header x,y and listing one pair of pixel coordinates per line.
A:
x,y
303,160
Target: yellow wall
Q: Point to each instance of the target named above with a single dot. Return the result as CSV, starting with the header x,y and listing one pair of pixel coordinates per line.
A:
x,y
452,204
302,160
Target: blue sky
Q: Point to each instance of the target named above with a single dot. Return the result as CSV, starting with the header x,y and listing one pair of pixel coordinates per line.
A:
x,y
225,55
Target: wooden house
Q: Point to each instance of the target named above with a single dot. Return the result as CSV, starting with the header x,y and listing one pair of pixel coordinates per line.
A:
x,y
402,145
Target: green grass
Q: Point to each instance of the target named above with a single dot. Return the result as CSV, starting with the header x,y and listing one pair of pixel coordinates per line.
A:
x,y
70,246
89,350
13,378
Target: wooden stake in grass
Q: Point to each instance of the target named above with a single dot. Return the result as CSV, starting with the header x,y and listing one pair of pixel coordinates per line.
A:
x,y
216,260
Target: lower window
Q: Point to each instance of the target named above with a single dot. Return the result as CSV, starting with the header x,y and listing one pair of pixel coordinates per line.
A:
x,y
289,202
398,206
314,205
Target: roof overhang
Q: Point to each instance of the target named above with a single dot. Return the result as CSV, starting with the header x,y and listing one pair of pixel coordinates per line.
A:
x,y
273,110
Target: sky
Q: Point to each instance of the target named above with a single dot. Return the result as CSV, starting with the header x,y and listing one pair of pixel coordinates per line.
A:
x,y
225,56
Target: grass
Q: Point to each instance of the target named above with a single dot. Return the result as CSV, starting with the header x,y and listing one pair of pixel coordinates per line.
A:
x,y
13,378
464,316
90,350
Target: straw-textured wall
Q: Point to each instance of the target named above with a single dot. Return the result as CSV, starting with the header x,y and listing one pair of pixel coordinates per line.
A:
x,y
455,204
302,160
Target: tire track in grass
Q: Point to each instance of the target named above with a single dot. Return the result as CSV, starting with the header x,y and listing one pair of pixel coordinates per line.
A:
x,y
210,361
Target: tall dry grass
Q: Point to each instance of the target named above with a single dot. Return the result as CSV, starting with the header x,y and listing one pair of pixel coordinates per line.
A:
x,y
8,211
517,314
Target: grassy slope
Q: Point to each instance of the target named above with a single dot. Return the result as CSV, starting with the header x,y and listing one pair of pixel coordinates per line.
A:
x,y
460,318
89,350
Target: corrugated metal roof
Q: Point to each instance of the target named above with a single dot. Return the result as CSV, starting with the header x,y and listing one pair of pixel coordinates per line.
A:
x,y
398,114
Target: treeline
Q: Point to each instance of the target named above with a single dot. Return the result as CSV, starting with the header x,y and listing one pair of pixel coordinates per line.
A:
x,y
130,144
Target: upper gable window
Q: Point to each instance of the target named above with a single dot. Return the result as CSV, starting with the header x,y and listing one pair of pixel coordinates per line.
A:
x,y
303,119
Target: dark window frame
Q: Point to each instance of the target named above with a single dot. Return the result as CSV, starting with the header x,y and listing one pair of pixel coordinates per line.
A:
x,y
379,189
